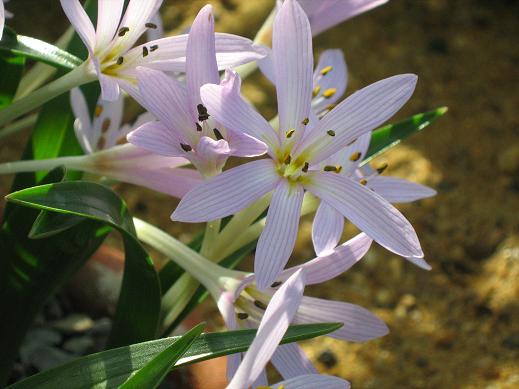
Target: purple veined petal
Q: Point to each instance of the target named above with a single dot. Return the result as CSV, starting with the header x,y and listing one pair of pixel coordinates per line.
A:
x,y
108,122
82,124
262,380
312,381
210,155
243,145
368,211
108,17
360,325
276,242
290,361
225,103
420,262
228,192
293,65
225,305
201,56
266,65
109,85
157,138
277,317
326,14
398,190
358,114
2,19
158,32
81,22
167,100
328,79
326,229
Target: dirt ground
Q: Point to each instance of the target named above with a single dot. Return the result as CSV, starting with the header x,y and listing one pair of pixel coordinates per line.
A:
x,y
456,326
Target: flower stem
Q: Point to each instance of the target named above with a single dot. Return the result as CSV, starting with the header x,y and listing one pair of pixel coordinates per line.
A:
x,y
19,125
76,77
212,231
74,163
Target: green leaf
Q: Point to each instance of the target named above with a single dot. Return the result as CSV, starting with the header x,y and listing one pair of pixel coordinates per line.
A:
x,y
389,136
154,372
138,308
11,70
109,369
37,50
49,223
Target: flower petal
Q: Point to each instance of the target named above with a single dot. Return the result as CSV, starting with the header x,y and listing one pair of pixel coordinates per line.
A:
x,y
157,138
243,145
108,17
358,114
225,103
155,33
82,124
398,190
312,381
2,19
108,123
293,65
331,73
326,229
360,324
368,211
200,56
277,317
227,192
81,22
290,361
277,240
225,305
109,85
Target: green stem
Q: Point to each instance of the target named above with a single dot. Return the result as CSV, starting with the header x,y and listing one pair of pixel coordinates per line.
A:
x,y
74,163
176,299
212,231
76,77
19,125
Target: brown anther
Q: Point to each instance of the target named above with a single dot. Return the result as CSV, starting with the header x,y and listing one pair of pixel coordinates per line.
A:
x,y
123,30
316,91
289,133
185,147
326,70
331,106
276,284
363,181
355,156
202,112
332,168
120,61
242,315
98,111
217,134
352,142
331,132
144,51
101,142
305,121
105,125
151,25
153,48
329,92
381,168
198,127
287,160
260,305
305,167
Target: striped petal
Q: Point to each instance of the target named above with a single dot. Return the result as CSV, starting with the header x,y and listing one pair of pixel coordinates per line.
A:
x,y
82,124
398,190
108,17
326,229
331,78
81,22
312,381
290,361
277,240
225,305
157,138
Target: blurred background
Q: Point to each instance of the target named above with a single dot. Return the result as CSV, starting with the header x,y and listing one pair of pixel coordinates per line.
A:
x,y
456,326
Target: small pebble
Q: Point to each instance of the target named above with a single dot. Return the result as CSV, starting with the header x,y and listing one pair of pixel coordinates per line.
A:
x,y
47,357
101,326
74,323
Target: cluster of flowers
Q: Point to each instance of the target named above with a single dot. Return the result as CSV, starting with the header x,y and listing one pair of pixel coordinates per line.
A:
x,y
313,152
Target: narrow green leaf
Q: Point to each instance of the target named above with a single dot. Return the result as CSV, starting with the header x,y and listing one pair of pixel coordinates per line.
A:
x,y
37,50
153,373
111,368
11,70
389,136
138,307
49,223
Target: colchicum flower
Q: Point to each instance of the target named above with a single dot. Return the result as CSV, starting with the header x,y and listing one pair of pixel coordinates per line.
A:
x,y
186,128
112,57
297,151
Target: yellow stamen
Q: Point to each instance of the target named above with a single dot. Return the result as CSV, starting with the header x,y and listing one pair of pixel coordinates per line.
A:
x,y
381,169
305,167
331,168
289,133
105,125
329,92
98,111
363,181
326,70
331,106
305,121
316,91
331,132
355,156
287,160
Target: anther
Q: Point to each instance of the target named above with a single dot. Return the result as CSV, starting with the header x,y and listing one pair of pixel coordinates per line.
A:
x,y
331,168
123,30
120,61
217,134
329,92
289,133
326,70
355,156
98,111
242,315
276,284
352,142
316,91
260,305
202,112
363,181
305,121
305,167
198,127
153,48
101,142
144,51
331,106
105,125
185,147
287,160
381,169
151,25
331,132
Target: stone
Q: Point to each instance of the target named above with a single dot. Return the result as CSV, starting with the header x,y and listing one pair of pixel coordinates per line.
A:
x,y
79,345
74,323
47,357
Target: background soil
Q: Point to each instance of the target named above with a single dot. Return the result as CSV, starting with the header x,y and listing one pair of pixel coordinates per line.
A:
x,y
456,326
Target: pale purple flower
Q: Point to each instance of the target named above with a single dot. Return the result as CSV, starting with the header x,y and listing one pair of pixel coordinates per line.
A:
x,y
275,321
243,306
296,152
4,14
185,128
112,55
